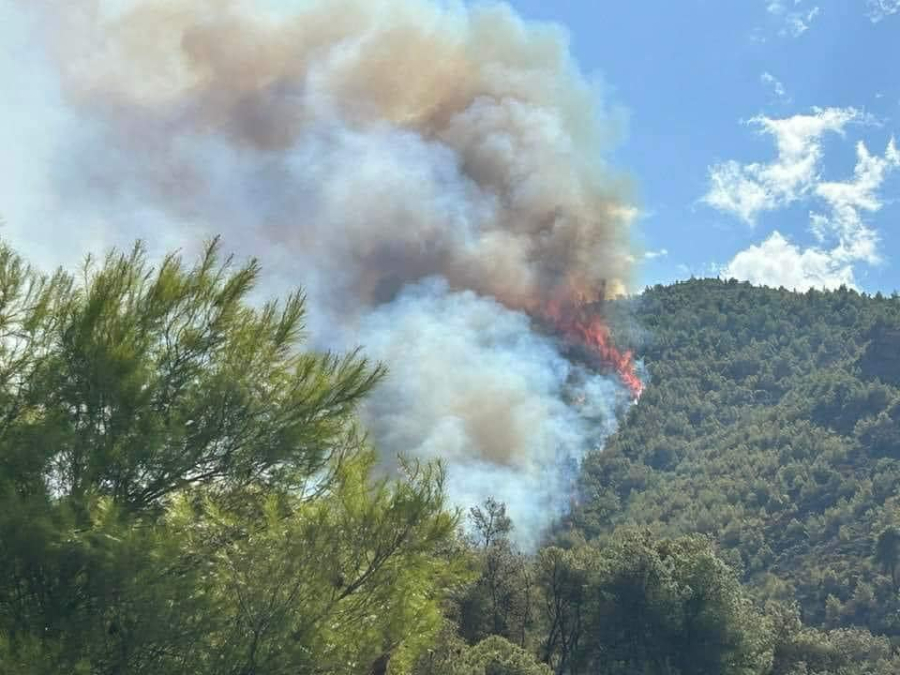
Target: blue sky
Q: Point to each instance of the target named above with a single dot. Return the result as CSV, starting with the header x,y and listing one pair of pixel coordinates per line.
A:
x,y
759,133
692,75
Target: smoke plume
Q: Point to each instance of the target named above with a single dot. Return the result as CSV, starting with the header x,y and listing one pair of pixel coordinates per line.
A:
x,y
432,174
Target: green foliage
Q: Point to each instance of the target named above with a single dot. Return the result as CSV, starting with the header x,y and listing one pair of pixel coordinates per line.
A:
x,y
636,604
756,482
640,605
330,583
804,651
887,552
183,489
768,426
496,656
492,656
566,579
502,600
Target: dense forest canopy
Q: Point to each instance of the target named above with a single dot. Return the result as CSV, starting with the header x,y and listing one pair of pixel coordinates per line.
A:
x,y
185,488
771,425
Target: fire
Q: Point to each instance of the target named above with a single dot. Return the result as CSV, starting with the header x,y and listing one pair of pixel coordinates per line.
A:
x,y
586,328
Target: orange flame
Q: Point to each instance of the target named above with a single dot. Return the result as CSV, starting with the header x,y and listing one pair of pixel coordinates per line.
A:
x,y
581,326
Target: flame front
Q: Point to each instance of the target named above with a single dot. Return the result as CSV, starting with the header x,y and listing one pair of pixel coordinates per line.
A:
x,y
581,326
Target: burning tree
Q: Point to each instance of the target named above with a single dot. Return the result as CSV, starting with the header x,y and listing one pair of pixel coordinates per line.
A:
x,y
581,323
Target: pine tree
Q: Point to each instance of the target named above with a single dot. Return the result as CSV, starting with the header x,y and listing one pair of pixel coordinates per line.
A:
x,y
183,488
887,553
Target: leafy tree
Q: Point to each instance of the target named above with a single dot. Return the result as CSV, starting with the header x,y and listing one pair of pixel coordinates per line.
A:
x,y
770,424
565,577
666,606
184,489
492,656
800,651
887,553
281,607
492,524
501,601
496,656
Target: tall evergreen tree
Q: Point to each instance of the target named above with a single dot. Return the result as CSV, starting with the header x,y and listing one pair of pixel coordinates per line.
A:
x,y
184,489
887,553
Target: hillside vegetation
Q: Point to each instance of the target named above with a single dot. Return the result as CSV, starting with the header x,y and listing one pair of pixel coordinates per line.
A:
x,y
185,488
771,424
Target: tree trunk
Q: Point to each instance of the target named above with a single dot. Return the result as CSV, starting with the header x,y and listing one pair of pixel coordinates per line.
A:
x,y
380,666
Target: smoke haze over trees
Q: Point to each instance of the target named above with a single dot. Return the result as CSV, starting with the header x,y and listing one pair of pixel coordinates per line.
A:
x,y
420,443
185,487
448,197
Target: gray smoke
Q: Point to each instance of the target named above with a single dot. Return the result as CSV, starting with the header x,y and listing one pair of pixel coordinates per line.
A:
x,y
430,172
472,384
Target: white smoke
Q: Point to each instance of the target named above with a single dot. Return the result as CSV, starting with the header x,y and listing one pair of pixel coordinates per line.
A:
x,y
428,171
470,383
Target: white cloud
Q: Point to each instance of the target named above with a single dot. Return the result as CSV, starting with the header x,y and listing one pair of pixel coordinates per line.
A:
x,y
881,9
844,239
745,190
857,241
758,36
737,189
777,262
797,23
652,255
795,20
774,84
819,225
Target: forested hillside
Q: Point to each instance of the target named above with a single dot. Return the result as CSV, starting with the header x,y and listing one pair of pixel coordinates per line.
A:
x,y
184,487
772,424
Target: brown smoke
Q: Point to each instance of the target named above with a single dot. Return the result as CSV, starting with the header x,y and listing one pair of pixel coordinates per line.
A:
x,y
501,95
427,170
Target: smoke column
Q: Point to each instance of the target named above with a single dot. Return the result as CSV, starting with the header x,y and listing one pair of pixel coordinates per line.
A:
x,y
430,172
